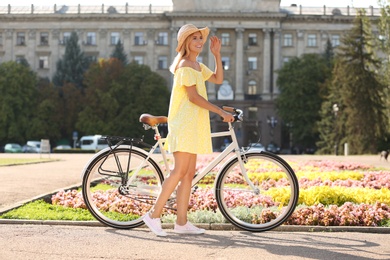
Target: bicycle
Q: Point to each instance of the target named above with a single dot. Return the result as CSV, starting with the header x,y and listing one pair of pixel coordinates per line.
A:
x,y
255,191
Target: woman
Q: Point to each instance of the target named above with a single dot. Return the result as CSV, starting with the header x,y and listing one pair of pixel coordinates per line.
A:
x,y
188,123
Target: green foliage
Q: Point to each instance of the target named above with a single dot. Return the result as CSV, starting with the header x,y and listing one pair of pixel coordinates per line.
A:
x,y
71,67
384,69
40,210
116,95
18,101
71,102
119,53
358,92
301,84
46,122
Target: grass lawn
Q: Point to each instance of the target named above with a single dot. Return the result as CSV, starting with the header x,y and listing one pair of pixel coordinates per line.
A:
x,y
19,161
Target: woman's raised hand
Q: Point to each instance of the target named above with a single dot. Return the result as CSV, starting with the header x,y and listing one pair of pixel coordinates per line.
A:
x,y
215,45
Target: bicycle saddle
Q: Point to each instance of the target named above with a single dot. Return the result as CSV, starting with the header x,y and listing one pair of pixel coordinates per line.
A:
x,y
153,120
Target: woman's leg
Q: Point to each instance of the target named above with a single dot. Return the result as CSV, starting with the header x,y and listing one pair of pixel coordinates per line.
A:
x,y
180,169
184,192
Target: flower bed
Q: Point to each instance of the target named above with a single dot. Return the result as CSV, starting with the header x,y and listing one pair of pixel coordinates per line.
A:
x,y
331,194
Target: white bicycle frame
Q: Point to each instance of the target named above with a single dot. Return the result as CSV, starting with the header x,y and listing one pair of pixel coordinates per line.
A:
x,y
199,175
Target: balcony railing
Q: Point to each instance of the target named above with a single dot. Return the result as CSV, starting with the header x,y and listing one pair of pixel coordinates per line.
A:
x,y
135,9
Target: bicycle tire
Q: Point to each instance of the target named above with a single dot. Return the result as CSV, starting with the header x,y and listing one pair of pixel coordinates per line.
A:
x,y
101,187
278,192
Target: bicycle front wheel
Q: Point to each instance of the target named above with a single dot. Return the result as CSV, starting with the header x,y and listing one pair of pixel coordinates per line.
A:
x,y
267,205
120,186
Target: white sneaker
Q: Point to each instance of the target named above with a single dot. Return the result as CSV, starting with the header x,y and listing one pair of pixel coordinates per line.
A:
x,y
188,228
155,225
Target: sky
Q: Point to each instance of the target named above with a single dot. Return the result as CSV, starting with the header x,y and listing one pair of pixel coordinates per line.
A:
x,y
306,3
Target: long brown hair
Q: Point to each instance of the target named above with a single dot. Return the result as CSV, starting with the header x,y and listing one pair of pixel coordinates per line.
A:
x,y
184,52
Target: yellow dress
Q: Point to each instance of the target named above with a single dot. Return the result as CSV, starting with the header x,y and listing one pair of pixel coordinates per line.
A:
x,y
188,124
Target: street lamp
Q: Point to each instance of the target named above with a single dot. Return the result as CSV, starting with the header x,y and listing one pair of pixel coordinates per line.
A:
x,y
335,109
272,121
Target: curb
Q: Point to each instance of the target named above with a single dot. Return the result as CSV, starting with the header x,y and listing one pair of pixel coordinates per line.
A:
x,y
211,226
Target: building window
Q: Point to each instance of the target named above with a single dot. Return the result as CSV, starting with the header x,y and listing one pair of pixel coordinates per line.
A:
x,y
91,58
162,62
225,63
252,88
287,39
312,40
20,59
65,37
114,38
139,39
225,39
43,62
335,40
286,59
162,38
91,38
252,40
20,38
44,38
139,60
252,113
252,63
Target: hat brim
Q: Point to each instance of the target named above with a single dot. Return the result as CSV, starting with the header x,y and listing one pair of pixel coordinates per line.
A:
x,y
204,31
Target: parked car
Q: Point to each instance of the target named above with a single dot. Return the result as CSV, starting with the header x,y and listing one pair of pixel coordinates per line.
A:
x,y
92,142
273,148
35,144
30,149
63,147
255,147
13,148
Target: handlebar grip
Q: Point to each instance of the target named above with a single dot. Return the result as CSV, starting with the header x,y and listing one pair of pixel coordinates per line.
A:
x,y
229,109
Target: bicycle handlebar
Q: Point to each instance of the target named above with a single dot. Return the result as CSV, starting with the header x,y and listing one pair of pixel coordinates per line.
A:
x,y
238,114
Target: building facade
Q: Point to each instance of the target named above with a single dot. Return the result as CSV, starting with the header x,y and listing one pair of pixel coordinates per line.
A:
x,y
257,38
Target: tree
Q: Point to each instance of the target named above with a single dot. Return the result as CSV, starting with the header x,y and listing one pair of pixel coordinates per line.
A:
x,y
46,121
72,66
301,84
361,121
116,95
384,46
119,53
18,95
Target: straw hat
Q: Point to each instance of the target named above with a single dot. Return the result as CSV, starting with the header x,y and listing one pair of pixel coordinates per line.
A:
x,y
187,30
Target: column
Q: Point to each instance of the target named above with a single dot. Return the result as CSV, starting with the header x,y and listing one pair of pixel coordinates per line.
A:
x,y
151,58
126,41
9,45
211,64
300,42
55,48
277,60
103,44
323,39
31,39
239,93
173,46
266,63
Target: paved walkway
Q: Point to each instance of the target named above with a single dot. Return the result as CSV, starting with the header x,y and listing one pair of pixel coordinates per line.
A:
x,y
93,241
21,183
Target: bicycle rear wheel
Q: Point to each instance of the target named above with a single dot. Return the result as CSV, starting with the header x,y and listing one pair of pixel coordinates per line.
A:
x,y
265,207
120,186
